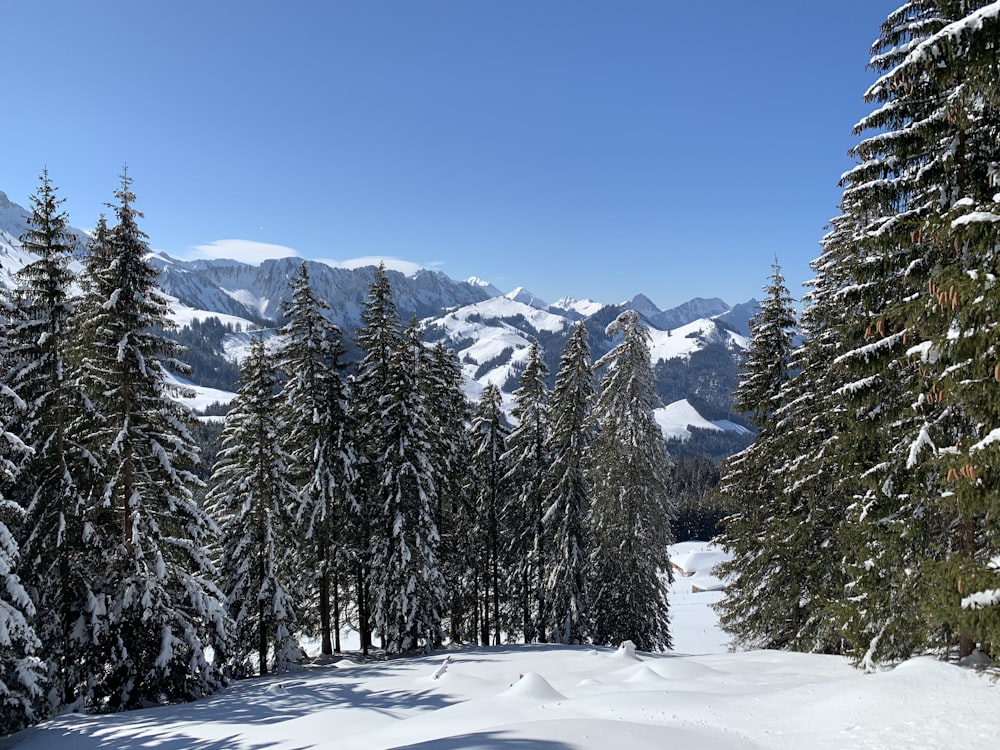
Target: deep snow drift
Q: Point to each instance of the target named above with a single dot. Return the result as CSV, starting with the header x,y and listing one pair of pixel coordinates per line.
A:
x,y
564,698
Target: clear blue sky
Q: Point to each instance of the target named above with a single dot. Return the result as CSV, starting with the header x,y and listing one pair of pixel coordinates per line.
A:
x,y
573,147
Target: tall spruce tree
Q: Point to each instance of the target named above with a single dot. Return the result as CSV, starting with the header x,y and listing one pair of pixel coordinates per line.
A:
x,y
489,469
155,586
451,453
764,605
23,672
568,501
528,458
319,426
409,588
911,237
631,508
769,354
254,502
960,316
380,337
49,481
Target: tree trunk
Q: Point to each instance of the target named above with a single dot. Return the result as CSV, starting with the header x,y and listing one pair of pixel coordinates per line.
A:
x,y
336,617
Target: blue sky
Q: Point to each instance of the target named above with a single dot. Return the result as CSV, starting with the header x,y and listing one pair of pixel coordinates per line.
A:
x,y
576,148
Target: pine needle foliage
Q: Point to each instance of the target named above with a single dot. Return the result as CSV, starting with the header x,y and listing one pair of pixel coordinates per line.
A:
x,y
631,506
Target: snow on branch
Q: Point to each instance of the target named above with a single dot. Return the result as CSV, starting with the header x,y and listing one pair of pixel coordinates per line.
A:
x,y
932,47
869,349
982,599
976,217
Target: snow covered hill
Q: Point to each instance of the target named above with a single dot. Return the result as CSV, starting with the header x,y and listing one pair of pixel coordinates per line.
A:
x,y
489,330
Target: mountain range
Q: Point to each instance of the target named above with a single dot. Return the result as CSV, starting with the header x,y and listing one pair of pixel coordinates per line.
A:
x,y
695,348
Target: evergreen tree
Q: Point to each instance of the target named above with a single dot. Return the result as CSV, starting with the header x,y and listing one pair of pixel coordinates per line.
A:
x,y
409,589
451,453
47,482
253,499
379,338
22,673
631,508
528,458
160,608
489,468
912,233
568,500
784,571
769,353
959,316
315,404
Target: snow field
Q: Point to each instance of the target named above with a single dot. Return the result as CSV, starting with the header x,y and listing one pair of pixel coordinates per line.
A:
x,y
548,697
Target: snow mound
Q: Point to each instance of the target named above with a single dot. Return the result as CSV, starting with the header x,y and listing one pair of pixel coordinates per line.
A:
x,y
626,651
644,674
532,686
683,670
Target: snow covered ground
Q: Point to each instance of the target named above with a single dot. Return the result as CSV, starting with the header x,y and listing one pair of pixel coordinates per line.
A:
x,y
563,698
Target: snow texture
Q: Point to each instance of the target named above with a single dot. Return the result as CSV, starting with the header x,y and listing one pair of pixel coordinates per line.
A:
x,y
548,697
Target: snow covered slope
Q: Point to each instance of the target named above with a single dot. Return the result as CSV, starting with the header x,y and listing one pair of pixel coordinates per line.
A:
x,y
491,331
550,697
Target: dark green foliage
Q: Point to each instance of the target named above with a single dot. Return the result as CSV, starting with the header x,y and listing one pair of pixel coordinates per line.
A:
x,y
714,445
254,502
153,577
489,492
320,430
699,505
631,502
409,591
528,458
568,501
50,477
204,353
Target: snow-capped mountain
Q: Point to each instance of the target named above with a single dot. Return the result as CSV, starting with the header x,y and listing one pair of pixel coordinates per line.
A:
x,y
257,291
13,224
695,346
696,361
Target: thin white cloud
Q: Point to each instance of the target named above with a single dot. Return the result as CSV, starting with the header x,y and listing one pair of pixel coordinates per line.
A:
x,y
245,251
393,264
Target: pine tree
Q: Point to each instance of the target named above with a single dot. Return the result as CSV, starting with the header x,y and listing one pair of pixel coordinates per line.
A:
x,y
782,577
568,501
22,673
451,453
769,353
315,404
48,478
959,315
409,588
631,508
528,458
158,605
254,501
379,338
489,468
911,236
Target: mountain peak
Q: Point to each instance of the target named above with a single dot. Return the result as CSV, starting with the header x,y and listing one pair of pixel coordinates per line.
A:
x,y
643,305
525,297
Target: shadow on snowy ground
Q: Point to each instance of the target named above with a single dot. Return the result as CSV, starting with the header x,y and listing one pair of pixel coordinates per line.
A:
x,y
485,741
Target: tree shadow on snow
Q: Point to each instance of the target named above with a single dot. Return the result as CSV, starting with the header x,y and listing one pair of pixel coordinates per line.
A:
x,y
127,734
300,694
485,741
